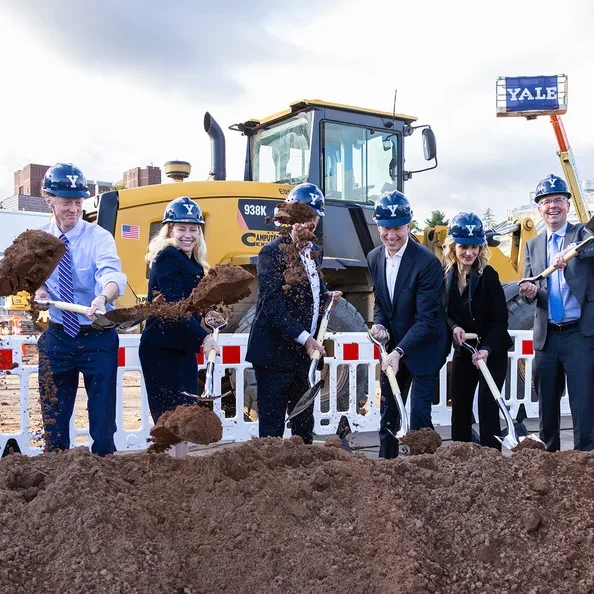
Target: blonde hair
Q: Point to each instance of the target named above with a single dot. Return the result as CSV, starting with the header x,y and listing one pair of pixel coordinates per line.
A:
x,y
162,240
449,256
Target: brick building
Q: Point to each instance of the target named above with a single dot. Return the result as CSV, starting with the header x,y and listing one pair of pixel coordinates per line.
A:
x,y
142,176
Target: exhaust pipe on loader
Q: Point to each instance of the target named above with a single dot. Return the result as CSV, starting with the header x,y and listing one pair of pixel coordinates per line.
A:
x,y
217,144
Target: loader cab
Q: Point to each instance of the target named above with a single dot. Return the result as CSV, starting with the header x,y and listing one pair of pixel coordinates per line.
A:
x,y
352,154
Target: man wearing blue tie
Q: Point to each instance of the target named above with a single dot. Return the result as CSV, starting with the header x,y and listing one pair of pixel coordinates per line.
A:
x,y
564,319
90,273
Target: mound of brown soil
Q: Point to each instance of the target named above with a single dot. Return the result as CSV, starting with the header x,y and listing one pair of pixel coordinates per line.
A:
x,y
29,261
277,516
188,422
421,441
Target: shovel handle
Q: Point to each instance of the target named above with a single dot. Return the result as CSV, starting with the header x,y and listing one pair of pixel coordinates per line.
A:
x,y
471,336
64,305
390,373
489,379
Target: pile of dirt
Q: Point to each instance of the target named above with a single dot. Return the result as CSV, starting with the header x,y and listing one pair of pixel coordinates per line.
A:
x,y
277,516
188,422
421,441
29,261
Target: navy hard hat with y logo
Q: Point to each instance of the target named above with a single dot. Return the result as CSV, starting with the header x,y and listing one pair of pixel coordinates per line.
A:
x,y
467,228
392,209
183,210
308,194
551,185
65,180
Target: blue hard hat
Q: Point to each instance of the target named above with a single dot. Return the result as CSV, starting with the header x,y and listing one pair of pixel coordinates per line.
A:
x,y
65,180
551,185
466,228
183,210
392,209
308,194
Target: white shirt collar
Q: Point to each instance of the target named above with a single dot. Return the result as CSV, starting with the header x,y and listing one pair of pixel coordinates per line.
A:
x,y
398,254
560,232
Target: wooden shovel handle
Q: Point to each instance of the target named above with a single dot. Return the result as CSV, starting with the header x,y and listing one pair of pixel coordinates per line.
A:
x,y
64,305
489,379
391,375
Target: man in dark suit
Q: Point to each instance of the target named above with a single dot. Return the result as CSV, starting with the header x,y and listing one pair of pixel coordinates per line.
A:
x,y
407,279
281,342
564,319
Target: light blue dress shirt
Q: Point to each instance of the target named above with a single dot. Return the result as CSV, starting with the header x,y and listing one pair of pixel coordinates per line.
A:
x,y
95,263
571,308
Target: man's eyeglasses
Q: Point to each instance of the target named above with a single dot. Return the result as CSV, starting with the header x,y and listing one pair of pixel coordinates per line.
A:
x,y
555,201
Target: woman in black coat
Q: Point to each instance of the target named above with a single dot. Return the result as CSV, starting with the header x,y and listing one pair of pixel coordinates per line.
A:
x,y
177,260
475,303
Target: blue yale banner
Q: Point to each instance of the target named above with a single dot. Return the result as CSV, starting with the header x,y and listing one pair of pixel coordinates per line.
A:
x,y
531,93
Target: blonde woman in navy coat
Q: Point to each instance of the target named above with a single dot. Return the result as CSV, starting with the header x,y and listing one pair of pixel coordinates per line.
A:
x,y
177,260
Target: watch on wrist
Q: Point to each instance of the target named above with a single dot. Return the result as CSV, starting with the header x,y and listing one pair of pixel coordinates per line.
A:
x,y
104,297
399,351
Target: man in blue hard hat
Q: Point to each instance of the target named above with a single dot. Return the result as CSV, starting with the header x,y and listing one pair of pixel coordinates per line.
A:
x,y
288,313
564,318
407,283
89,274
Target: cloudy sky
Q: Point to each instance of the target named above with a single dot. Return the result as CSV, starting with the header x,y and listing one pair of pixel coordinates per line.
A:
x,y
114,84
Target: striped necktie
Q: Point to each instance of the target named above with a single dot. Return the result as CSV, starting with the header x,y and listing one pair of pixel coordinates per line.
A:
x,y
69,318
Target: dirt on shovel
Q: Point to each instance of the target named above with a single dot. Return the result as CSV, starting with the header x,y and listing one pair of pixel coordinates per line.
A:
x,y
188,422
223,286
29,262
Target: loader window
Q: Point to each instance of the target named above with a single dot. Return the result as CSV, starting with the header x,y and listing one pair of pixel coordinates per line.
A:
x,y
281,153
359,163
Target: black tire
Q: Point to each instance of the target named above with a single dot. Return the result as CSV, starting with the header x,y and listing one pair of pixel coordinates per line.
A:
x,y
344,318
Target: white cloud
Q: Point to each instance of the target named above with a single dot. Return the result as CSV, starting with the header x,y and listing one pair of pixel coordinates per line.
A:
x,y
443,57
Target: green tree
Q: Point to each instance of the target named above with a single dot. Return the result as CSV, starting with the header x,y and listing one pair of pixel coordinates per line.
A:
x,y
437,218
121,185
414,227
489,219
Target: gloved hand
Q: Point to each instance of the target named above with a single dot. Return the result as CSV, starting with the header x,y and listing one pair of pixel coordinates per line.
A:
x,y
380,333
97,307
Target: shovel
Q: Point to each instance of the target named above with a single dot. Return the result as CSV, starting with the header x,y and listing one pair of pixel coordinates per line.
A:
x,y
104,320
511,440
569,254
403,430
315,387
216,322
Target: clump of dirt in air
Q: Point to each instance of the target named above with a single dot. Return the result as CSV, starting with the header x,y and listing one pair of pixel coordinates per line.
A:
x,y
29,261
293,217
421,441
188,422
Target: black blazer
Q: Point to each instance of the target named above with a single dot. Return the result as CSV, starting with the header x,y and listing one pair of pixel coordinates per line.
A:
x,y
416,316
281,316
487,305
174,275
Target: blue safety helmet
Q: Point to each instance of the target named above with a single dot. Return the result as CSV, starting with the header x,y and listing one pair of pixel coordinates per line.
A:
x,y
551,185
392,209
308,194
183,210
65,180
466,228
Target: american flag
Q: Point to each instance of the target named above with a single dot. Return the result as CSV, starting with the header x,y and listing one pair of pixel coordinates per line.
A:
x,y
131,231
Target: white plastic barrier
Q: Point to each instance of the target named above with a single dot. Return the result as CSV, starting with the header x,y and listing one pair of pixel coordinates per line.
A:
x,y
352,351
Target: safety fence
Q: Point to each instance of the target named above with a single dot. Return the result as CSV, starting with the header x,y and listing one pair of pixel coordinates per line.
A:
x,y
351,372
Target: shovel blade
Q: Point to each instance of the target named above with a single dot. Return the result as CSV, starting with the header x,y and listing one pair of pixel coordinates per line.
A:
x,y
306,400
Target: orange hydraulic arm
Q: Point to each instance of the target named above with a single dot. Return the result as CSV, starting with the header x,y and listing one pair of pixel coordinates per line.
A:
x,y
569,169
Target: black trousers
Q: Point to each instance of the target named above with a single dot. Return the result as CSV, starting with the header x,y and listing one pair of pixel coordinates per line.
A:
x,y
569,355
167,373
464,377
278,392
